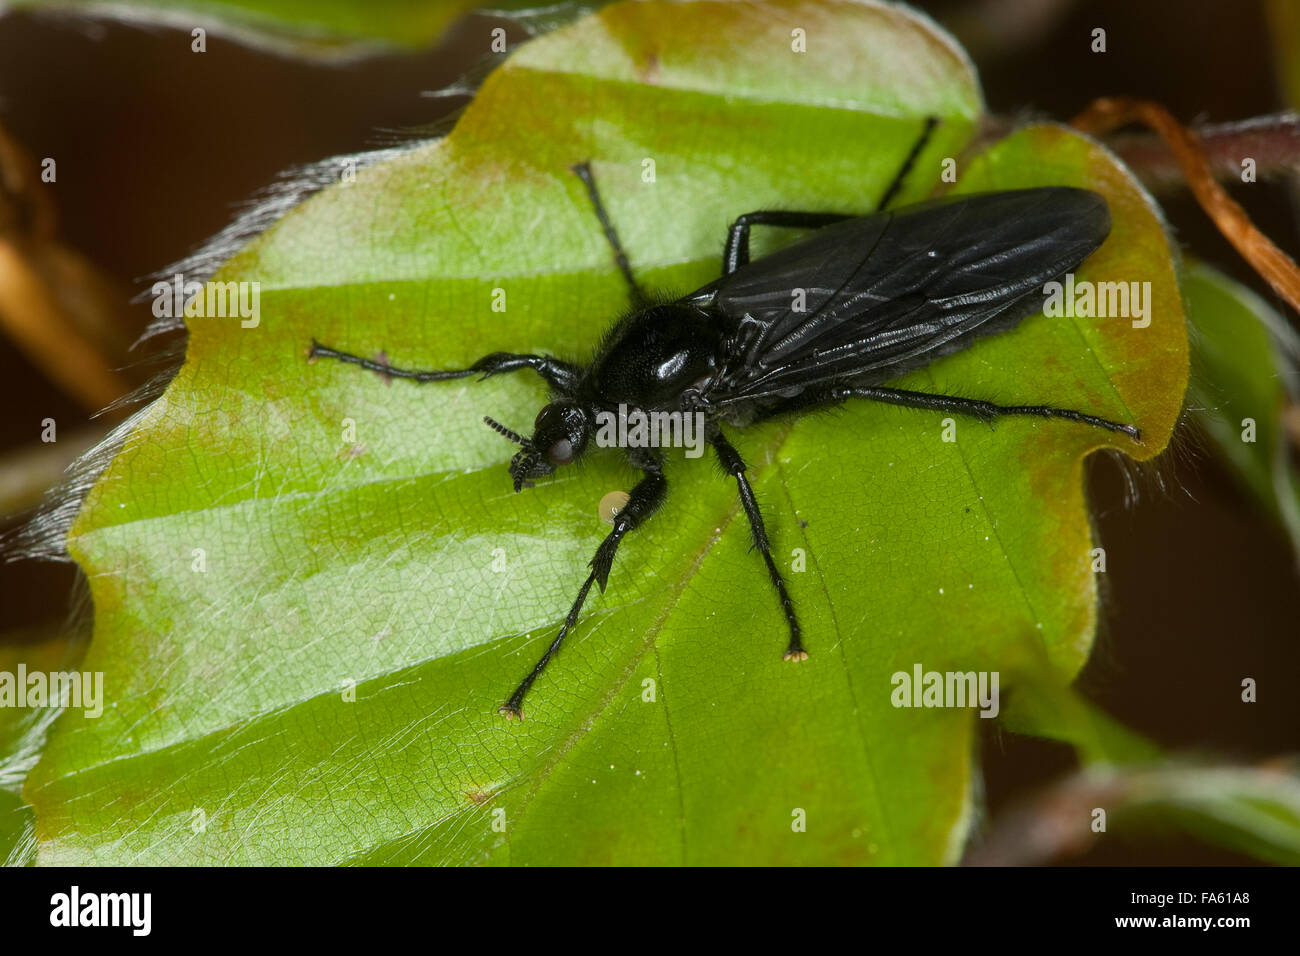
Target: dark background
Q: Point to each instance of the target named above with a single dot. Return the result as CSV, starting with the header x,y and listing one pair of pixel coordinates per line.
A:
x,y
156,146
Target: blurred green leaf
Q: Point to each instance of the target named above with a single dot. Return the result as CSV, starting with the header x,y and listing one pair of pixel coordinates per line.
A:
x,y
669,730
1244,355
1284,34
1145,792
1250,810
308,27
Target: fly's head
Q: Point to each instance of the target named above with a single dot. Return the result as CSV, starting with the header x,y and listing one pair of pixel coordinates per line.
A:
x,y
560,435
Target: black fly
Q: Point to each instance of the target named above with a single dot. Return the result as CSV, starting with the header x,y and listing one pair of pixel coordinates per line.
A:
x,y
832,317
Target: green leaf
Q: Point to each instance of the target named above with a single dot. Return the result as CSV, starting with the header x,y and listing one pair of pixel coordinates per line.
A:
x,y
22,729
17,824
1245,355
1044,705
308,27
669,729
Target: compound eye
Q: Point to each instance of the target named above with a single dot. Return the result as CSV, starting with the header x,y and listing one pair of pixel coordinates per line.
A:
x,y
561,452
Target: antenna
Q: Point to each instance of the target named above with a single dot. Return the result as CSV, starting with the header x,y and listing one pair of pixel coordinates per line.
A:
x,y
514,436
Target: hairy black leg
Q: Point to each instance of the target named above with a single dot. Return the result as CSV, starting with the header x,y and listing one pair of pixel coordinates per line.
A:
x,y
583,171
930,123
736,253
986,411
735,466
642,502
561,375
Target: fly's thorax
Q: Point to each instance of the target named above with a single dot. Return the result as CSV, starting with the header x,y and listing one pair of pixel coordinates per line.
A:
x,y
653,357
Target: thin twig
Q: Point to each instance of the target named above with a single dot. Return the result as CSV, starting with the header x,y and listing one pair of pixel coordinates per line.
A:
x,y
29,472
31,315
1274,265
1271,142
53,303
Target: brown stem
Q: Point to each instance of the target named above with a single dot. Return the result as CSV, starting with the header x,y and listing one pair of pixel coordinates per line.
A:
x,y
25,207
56,306
1273,142
29,472
1274,265
31,315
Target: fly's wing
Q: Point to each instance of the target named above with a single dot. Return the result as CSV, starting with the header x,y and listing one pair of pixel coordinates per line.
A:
x,y
894,291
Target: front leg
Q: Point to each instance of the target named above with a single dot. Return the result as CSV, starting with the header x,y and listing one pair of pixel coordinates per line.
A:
x,y
736,252
560,375
643,501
